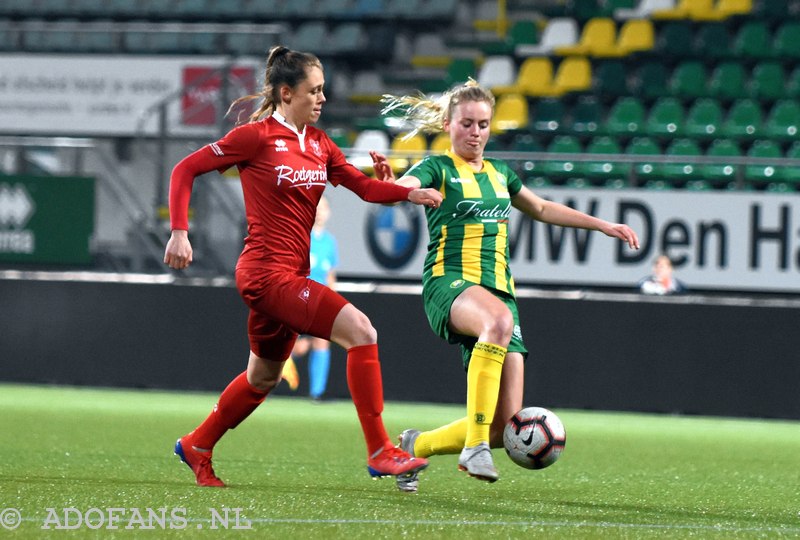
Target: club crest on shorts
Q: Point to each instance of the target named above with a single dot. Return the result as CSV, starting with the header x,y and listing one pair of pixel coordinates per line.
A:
x,y
457,283
304,294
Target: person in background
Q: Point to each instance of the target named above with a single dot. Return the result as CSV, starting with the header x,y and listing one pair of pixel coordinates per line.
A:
x,y
468,291
324,260
662,281
285,164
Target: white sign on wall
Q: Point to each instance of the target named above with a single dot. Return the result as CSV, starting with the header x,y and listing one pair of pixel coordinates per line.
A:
x,y
725,241
69,95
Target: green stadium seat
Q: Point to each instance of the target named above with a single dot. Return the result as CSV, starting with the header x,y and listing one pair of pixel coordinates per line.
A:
x,y
7,37
768,81
698,185
771,10
793,83
347,39
644,169
680,170
703,119
712,42
744,120
688,80
783,120
791,173
721,172
761,173
547,115
609,80
728,81
657,185
562,168
604,169
309,36
666,118
522,32
626,117
523,143
753,41
616,183
650,81
192,9
786,44
674,41
263,9
578,183
586,117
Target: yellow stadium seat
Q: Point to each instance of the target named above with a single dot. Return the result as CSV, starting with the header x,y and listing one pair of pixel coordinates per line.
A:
x,y
511,112
686,9
535,78
724,9
598,38
574,75
634,36
405,152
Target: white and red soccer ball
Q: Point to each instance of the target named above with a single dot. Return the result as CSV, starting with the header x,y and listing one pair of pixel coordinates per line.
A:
x,y
534,438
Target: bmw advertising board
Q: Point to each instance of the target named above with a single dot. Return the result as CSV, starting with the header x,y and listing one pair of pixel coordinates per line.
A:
x,y
717,240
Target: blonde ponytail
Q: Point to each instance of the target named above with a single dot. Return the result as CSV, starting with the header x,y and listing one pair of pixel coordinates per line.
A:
x,y
427,115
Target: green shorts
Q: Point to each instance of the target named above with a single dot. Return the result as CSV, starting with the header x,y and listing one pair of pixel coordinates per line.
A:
x,y
438,295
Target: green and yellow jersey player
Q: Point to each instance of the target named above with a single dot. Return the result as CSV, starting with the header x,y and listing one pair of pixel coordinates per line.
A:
x,y
468,290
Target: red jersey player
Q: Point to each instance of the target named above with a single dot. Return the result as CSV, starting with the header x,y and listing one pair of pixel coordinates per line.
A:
x,y
284,164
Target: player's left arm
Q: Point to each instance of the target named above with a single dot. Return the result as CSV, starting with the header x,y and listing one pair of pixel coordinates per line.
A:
x,y
559,214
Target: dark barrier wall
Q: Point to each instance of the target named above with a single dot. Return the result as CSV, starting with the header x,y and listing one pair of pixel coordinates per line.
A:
x,y
609,354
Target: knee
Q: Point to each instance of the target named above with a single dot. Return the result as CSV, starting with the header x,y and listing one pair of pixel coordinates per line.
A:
x,y
362,332
499,327
263,375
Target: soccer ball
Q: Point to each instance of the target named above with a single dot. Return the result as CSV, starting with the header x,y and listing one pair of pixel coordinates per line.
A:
x,y
534,438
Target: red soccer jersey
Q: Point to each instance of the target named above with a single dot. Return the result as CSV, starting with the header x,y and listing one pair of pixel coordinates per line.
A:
x,y
283,175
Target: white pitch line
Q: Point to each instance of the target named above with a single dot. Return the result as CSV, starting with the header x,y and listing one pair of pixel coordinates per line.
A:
x,y
527,524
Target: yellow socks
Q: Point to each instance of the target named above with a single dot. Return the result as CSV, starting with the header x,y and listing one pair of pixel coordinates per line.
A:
x,y
483,386
447,439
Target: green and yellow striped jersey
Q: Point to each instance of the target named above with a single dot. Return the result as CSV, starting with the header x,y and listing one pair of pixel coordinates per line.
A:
x,y
469,231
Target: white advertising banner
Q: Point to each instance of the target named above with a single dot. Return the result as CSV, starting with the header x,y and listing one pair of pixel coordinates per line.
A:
x,y
726,241
113,95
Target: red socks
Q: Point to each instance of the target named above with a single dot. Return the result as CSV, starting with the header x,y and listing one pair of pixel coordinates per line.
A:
x,y
240,399
235,404
366,389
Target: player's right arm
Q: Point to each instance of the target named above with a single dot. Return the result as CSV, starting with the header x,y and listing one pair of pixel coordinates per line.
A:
x,y
238,145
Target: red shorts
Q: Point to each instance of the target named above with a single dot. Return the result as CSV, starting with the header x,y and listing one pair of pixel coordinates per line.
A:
x,y
283,306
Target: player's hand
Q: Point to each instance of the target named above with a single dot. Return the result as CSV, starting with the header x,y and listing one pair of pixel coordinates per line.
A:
x,y
431,198
383,171
624,233
178,254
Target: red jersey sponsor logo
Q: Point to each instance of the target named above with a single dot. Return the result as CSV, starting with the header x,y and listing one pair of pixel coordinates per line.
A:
x,y
302,177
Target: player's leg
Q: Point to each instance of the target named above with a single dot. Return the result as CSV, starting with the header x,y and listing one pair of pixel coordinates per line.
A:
x,y
269,342
478,312
337,320
509,400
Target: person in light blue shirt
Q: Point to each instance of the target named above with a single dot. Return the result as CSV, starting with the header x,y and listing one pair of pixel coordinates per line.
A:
x,y
324,258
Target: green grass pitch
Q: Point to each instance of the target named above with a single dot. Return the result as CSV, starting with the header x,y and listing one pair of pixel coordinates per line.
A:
x,y
297,470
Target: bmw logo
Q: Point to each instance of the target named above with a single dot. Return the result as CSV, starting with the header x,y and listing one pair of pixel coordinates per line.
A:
x,y
393,234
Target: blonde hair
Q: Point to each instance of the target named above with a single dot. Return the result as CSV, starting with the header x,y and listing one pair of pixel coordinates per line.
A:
x,y
284,66
427,115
